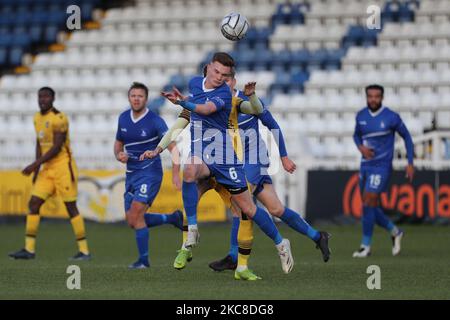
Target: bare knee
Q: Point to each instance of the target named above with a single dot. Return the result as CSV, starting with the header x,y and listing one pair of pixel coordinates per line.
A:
x,y
189,174
276,210
132,220
248,209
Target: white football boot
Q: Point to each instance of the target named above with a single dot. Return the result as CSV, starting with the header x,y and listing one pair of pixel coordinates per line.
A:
x,y
363,252
397,243
285,253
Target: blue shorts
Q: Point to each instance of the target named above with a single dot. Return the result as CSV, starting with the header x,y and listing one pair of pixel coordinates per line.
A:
x,y
257,175
232,177
374,179
142,186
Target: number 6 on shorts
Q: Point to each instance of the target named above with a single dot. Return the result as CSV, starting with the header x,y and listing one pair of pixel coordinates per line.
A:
x,y
233,173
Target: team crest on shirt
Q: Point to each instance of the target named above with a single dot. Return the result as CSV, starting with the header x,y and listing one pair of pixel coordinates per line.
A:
x,y
41,134
382,125
47,124
363,123
143,133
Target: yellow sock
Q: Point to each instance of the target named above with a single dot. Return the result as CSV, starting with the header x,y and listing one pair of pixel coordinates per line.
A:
x,y
80,233
245,241
185,227
31,230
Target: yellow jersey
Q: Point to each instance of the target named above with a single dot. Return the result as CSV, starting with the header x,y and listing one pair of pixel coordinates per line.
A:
x,y
233,127
46,126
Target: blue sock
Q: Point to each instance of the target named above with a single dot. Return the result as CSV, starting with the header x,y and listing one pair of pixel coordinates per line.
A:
x,y
142,236
264,221
296,222
382,220
368,222
234,239
190,201
155,219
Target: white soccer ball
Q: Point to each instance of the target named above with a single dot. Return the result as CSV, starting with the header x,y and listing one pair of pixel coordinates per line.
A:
x,y
234,26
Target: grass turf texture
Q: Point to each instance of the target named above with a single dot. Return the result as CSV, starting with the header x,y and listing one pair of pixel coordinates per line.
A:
x,y
420,272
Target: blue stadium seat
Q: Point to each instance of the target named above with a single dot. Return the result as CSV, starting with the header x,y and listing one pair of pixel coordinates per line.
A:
x,y
15,56
334,59
3,56
318,59
6,19
86,10
391,10
39,18
297,16
301,58
263,34
6,40
263,59
36,32
50,34
405,13
247,60
22,40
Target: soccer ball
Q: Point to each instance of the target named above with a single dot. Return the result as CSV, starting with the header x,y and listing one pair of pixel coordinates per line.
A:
x,y
234,26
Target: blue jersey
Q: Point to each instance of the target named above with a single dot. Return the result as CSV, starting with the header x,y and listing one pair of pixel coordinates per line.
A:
x,y
140,135
254,146
377,131
210,140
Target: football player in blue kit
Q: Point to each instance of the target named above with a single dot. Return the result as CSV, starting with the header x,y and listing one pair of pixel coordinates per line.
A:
x,y
374,136
140,129
256,165
212,153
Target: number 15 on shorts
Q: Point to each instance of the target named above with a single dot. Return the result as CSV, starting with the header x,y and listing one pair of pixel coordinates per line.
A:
x,y
375,180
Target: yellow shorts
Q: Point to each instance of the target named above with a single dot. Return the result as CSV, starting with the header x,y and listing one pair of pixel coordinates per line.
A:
x,y
60,179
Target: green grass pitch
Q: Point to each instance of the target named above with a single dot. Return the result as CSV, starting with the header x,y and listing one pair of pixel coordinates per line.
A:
x,y
420,272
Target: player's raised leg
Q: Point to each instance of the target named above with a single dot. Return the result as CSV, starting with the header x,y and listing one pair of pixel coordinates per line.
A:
x,y
270,200
31,230
156,219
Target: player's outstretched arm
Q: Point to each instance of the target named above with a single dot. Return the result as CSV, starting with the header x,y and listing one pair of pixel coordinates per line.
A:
x,y
58,142
269,121
119,152
175,155
254,105
176,98
167,139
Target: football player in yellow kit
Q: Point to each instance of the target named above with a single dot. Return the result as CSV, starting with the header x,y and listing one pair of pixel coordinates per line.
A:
x,y
58,175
